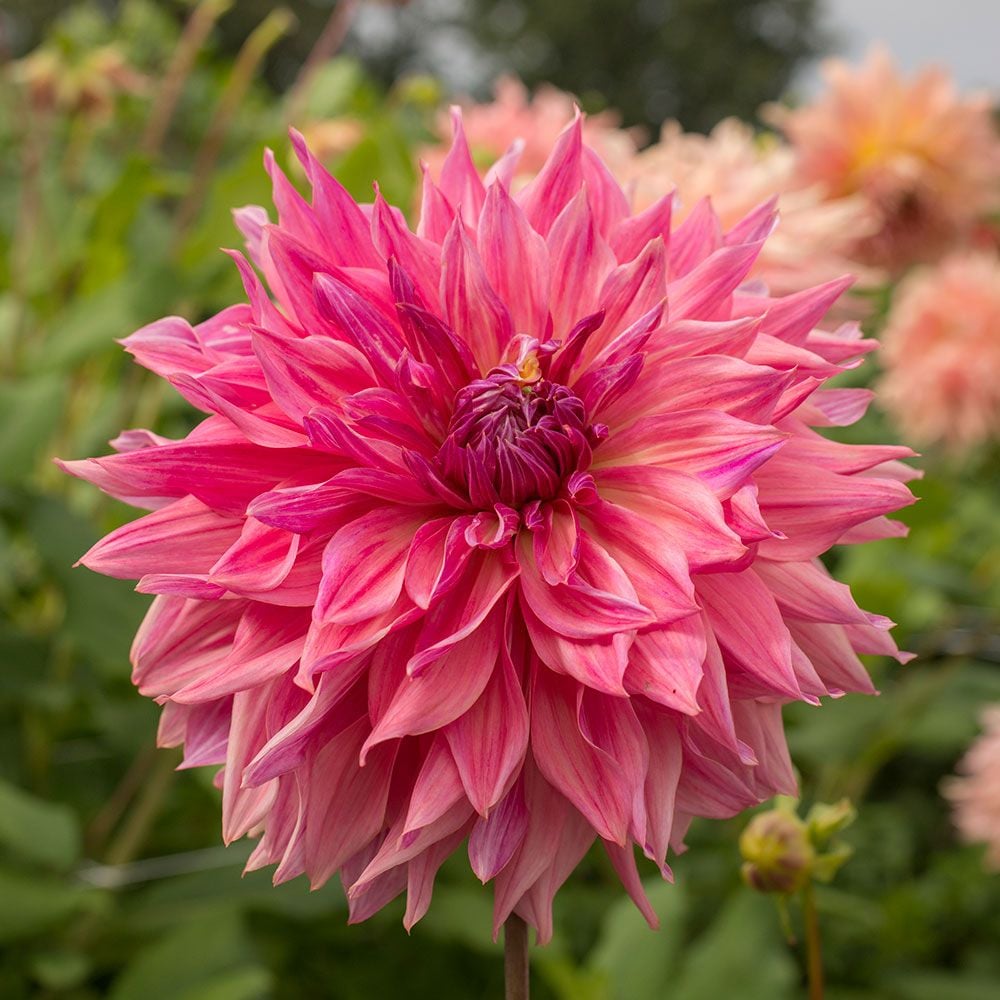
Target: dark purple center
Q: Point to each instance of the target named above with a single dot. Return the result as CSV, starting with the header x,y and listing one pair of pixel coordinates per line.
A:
x,y
515,438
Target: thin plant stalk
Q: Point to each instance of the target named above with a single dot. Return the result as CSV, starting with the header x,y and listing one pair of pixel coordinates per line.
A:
x,y
814,946
327,45
196,31
261,40
516,965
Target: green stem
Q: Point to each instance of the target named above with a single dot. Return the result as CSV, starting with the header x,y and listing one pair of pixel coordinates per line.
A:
x,y
814,947
146,807
193,37
516,966
262,39
111,812
327,45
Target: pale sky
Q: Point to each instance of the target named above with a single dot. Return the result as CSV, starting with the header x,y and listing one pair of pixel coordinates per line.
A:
x,y
962,35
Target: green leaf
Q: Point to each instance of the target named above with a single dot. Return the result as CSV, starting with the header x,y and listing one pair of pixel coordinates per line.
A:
x,y
332,89
108,252
36,830
102,614
383,156
464,915
88,326
238,984
33,903
60,970
743,946
30,412
210,958
930,984
638,962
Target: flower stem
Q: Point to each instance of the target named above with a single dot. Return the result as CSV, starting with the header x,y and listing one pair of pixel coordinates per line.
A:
x,y
515,958
327,45
193,37
248,60
814,948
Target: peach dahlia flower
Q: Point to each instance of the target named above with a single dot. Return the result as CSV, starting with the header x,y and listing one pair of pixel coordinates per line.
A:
x,y
926,158
942,352
738,170
975,795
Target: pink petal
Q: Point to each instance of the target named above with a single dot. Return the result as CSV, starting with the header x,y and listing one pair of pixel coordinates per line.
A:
x,y
650,557
580,262
516,261
180,640
224,476
489,741
721,450
183,537
598,663
346,806
496,837
268,642
244,808
476,313
340,218
311,371
437,555
442,691
557,182
632,234
460,181
665,761
437,788
585,773
623,860
485,580
580,609
665,664
695,239
364,565
750,629
677,508
555,542
258,561
703,291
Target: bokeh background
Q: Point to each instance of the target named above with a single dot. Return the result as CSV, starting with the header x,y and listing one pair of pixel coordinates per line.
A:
x,y
113,881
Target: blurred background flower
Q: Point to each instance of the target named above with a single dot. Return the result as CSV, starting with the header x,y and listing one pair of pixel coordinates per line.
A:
x,y
976,794
942,353
926,158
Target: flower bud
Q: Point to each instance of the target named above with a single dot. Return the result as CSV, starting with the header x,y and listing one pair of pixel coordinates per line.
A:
x,y
778,856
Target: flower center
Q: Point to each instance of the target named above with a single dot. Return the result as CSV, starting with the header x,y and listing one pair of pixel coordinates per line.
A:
x,y
515,436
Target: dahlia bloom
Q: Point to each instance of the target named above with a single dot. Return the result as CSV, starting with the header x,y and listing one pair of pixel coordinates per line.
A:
x,y
738,170
926,159
942,352
505,531
975,795
534,121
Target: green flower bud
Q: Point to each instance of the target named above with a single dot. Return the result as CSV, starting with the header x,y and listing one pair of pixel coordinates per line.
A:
x,y
778,856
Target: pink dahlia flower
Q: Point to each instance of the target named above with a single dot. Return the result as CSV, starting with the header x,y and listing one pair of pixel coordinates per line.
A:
x,y
738,170
976,794
504,531
926,158
942,352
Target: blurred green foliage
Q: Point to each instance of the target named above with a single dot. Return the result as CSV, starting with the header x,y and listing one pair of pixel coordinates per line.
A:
x,y
112,880
693,60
